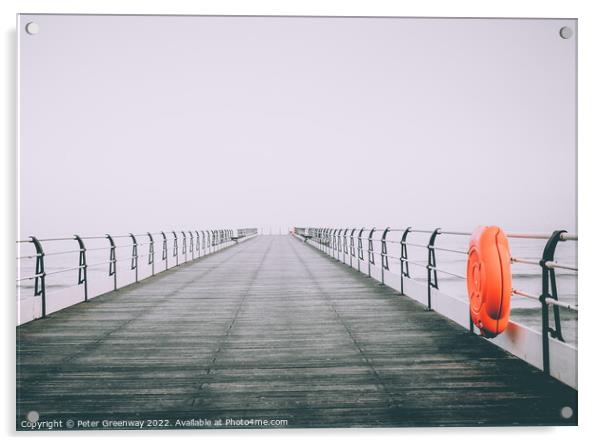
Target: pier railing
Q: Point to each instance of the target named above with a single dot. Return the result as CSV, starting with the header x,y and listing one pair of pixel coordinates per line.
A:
x,y
174,248
369,250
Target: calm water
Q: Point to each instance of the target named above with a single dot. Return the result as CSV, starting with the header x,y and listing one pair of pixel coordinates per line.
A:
x,y
63,287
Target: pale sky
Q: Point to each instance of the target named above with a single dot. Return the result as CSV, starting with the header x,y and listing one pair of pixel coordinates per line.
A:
x,y
132,124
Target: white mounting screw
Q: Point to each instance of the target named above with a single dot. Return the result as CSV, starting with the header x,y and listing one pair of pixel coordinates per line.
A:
x,y
566,32
32,28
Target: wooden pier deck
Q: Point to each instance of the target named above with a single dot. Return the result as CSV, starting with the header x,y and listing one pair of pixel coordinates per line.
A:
x,y
273,329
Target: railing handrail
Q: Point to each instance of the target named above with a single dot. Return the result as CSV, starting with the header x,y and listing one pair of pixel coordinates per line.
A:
x,y
114,236
216,239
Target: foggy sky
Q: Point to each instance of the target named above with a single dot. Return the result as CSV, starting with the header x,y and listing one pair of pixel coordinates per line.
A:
x,y
132,124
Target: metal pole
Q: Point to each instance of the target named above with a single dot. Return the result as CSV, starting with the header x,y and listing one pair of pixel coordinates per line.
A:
x,y
548,275
431,266
40,279
184,246
175,248
164,250
360,249
405,267
345,250
548,258
545,328
370,251
470,322
134,265
112,261
384,259
322,240
82,272
351,247
151,253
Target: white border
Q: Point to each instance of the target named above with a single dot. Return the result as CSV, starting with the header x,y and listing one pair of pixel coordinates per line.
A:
x,y
590,182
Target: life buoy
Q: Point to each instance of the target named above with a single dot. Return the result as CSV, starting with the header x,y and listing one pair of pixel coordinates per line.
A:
x,y
489,280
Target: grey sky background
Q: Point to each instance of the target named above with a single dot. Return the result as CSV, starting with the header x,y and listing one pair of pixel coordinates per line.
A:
x,y
132,124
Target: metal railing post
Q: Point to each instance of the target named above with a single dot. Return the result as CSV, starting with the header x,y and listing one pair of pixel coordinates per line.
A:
x,y
82,272
345,248
112,261
151,253
470,322
370,251
360,248
384,259
198,243
175,248
403,258
191,249
164,250
335,245
432,281
545,327
40,277
184,246
351,247
134,265
333,242
548,279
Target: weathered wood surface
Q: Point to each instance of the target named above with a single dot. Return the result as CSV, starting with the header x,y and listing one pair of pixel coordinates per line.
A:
x,y
273,329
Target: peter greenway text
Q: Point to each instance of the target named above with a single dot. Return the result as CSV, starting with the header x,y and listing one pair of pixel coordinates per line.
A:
x,y
152,423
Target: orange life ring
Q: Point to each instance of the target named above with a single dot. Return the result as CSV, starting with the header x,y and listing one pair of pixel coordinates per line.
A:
x,y
489,280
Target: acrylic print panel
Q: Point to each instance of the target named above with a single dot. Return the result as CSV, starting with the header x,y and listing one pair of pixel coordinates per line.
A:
x,y
197,143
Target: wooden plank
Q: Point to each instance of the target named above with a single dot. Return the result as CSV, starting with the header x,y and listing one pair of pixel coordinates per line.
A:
x,y
273,329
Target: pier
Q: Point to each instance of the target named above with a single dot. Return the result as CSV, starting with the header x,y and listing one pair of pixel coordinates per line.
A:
x,y
274,329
